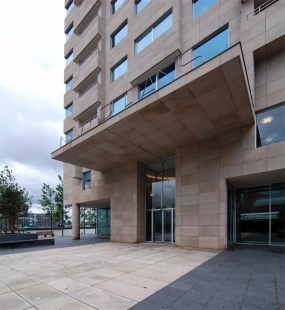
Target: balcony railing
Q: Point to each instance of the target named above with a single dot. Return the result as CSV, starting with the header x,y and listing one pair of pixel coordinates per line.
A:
x,y
81,63
259,9
89,120
80,33
86,90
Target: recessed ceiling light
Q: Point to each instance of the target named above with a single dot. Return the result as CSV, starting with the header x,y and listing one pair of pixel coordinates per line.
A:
x,y
267,120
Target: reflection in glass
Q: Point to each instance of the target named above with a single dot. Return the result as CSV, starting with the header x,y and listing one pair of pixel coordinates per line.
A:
x,y
69,84
253,214
69,33
270,126
148,226
116,4
69,7
153,186
278,213
154,33
162,26
211,48
87,180
68,136
157,234
68,110
119,35
201,6
166,76
103,222
168,183
141,4
120,69
148,87
69,58
167,225
143,42
230,218
119,104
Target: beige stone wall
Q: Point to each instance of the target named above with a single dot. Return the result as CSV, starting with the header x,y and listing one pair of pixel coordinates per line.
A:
x,y
202,169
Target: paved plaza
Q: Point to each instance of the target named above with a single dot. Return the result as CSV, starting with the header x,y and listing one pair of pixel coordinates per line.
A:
x,y
81,274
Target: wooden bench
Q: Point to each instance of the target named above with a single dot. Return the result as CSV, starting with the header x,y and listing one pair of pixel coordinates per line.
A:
x,y
45,233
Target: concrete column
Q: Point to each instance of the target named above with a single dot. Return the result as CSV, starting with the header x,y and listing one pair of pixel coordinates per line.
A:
x,y
75,222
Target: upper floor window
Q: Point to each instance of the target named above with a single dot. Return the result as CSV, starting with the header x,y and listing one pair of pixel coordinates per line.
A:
x,y
119,104
140,4
87,180
69,6
270,126
69,32
119,69
69,110
116,4
158,80
200,6
212,47
68,136
69,84
69,58
119,34
158,29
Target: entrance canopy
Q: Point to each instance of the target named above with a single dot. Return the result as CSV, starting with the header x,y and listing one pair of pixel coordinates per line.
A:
x,y
210,100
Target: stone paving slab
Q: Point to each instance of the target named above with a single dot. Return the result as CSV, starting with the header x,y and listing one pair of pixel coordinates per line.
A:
x,y
244,278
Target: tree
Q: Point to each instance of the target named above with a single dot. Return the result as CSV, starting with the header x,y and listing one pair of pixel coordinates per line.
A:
x,y
48,204
14,200
52,203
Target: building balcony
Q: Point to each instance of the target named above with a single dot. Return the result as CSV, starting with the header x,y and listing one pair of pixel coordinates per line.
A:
x,y
84,15
88,41
86,72
209,100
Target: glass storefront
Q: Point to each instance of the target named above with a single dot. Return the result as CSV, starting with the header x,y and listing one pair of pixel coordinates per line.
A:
x,y
160,201
259,215
103,222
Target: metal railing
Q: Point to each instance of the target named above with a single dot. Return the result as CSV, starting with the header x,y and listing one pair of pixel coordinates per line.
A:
x,y
89,120
260,8
86,90
81,63
80,33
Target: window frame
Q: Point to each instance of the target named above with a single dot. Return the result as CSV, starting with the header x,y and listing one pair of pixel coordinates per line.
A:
x,y
66,109
113,9
193,8
136,6
207,39
156,82
117,66
67,56
151,30
125,23
66,136
69,7
66,84
89,180
124,95
68,30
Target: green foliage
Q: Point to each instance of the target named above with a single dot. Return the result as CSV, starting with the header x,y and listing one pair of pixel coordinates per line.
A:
x,y
52,203
87,214
14,200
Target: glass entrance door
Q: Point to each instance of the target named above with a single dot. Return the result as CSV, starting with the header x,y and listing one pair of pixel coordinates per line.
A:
x,y
163,225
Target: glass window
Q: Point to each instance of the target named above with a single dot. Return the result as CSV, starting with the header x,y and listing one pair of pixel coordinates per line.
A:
x,y
119,104
68,136
201,6
87,180
162,26
158,29
163,77
144,42
69,110
120,34
69,7
116,4
270,126
69,58
120,69
212,47
69,32
278,213
69,84
141,4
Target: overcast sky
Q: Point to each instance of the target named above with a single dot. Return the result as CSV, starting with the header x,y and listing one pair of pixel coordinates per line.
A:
x,y
31,91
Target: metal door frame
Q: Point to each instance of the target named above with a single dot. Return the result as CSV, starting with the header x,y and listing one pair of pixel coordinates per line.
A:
x,y
162,226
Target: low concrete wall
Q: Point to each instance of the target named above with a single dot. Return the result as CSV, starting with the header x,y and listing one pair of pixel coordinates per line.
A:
x,y
18,237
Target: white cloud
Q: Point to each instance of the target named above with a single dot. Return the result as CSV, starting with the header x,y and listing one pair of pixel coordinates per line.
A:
x,y
32,88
